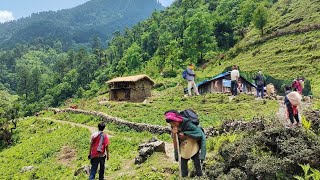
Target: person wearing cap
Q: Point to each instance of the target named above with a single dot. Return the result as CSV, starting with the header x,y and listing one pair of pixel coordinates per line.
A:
x,y
190,76
191,142
260,84
292,102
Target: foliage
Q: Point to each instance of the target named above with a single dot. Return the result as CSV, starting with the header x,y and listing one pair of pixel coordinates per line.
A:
x,y
9,112
215,143
271,154
306,124
38,143
79,25
314,174
260,18
213,109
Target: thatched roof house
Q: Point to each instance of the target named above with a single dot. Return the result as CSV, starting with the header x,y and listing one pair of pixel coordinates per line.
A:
x,y
130,88
222,83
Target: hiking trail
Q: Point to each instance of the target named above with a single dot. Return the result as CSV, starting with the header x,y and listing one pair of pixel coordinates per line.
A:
x,y
168,146
282,114
90,128
126,168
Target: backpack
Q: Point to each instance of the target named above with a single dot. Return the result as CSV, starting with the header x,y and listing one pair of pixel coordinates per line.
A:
x,y
260,80
184,74
191,115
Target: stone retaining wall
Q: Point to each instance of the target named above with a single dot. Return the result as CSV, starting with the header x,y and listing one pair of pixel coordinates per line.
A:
x,y
227,126
154,129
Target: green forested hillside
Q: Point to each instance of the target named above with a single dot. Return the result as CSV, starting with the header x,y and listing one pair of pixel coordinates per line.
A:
x,y
77,25
279,37
223,33
211,34
289,49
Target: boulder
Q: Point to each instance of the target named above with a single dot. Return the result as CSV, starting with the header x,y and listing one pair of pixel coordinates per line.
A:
x,y
280,98
148,148
307,99
84,169
26,169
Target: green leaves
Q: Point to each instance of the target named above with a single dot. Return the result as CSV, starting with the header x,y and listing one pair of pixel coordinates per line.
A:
x,y
260,18
314,174
306,124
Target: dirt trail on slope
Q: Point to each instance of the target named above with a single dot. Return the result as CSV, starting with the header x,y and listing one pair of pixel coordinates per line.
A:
x,y
90,128
169,151
126,169
168,146
282,112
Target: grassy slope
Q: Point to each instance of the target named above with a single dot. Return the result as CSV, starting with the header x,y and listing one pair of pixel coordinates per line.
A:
x,y
212,108
37,147
284,57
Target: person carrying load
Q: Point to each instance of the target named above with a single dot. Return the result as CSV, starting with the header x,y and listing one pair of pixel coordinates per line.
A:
x,y
189,142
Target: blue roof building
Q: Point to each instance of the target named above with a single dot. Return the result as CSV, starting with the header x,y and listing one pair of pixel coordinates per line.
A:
x,y
222,83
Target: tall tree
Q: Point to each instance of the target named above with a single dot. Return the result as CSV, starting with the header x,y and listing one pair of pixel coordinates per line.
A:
x,y
260,18
199,37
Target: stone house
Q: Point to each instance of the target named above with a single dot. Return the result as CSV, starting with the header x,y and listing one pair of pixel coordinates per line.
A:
x,y
131,88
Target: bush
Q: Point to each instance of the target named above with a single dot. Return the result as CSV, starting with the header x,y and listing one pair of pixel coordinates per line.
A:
x,y
271,154
169,74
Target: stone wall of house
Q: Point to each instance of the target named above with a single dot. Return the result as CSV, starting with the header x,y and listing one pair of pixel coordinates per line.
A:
x,y
141,90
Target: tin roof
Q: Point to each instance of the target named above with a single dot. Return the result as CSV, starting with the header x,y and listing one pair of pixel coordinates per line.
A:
x,y
220,76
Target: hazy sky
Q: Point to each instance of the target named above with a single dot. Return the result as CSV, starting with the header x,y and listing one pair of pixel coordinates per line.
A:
x,y
163,2
15,9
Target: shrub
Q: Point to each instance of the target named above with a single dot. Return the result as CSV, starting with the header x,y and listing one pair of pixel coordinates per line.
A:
x,y
270,154
168,74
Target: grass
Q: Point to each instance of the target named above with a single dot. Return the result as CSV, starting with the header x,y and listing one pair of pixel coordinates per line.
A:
x,y
158,166
38,143
212,108
316,104
299,57
284,57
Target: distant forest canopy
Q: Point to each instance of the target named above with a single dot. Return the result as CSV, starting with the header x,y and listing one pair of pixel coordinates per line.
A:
x,y
43,74
77,25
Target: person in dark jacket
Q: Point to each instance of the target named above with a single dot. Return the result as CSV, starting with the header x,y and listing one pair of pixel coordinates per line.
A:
x,y
260,84
192,141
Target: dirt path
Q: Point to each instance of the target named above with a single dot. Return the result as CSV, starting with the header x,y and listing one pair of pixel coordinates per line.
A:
x,y
170,151
126,169
168,146
282,112
90,128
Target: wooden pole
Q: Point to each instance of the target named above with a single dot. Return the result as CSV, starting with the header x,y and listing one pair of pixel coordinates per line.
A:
x,y
179,158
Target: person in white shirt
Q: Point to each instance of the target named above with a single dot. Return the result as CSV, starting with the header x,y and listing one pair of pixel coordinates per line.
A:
x,y
190,76
234,80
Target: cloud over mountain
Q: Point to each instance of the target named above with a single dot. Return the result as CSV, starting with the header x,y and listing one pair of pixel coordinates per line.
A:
x,y
6,16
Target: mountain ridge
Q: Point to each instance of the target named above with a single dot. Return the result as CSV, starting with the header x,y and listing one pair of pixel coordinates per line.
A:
x,y
79,24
